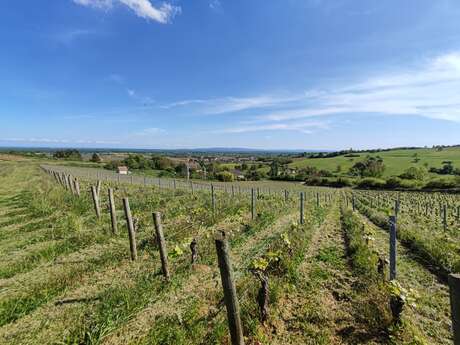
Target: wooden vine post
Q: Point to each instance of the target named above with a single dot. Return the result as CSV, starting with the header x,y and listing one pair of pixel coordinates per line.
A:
x,y
131,231
454,287
228,285
286,195
392,247
98,187
444,217
95,196
253,204
113,214
301,207
161,244
213,199
77,186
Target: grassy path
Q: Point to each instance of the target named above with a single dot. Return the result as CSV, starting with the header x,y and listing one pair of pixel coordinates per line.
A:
x,y
323,307
431,317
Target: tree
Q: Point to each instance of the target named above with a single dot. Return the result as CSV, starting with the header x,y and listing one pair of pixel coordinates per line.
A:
x,y
96,158
70,154
138,162
225,176
274,169
162,163
414,173
370,167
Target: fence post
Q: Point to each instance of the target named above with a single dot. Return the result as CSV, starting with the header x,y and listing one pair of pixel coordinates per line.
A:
x,y
228,285
454,287
70,183
253,204
161,244
317,199
113,214
96,202
392,247
77,186
98,187
285,195
131,232
213,199
301,207
444,216
353,203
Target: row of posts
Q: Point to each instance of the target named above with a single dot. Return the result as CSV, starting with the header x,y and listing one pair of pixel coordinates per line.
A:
x,y
453,279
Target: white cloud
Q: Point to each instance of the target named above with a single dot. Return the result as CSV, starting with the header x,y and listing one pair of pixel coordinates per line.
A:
x,y
143,8
58,141
427,89
149,132
430,89
306,127
131,92
215,5
216,106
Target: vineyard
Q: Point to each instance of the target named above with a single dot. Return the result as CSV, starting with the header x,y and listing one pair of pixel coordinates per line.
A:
x,y
92,257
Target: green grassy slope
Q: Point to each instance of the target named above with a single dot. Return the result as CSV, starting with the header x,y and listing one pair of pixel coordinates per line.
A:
x,y
396,161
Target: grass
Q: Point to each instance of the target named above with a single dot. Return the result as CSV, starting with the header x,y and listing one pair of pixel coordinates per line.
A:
x,y
66,279
396,161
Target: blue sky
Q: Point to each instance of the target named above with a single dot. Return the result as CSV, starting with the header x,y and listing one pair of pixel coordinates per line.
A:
x,y
276,74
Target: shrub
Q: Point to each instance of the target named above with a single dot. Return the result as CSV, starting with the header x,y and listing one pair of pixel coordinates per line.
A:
x,y
393,182
70,154
440,184
341,182
225,176
370,167
96,158
414,173
371,182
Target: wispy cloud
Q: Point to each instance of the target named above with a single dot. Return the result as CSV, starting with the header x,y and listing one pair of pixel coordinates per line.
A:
x,y
145,100
149,132
429,89
305,127
215,5
59,141
67,37
225,105
143,8
116,78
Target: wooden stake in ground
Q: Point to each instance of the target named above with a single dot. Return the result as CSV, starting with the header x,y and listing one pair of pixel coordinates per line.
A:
x,y
253,204
301,207
454,286
98,188
228,285
213,199
194,250
113,214
131,232
392,247
96,202
161,244
77,186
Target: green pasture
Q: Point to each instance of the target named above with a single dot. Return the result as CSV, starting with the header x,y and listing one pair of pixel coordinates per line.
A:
x,y
396,161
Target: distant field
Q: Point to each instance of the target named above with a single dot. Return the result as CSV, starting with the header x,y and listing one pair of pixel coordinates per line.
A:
x,y
396,162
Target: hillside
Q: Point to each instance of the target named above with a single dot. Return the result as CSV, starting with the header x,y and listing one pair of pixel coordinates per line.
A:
x,y
396,161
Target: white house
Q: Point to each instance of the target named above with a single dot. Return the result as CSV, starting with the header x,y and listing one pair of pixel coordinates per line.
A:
x,y
123,170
